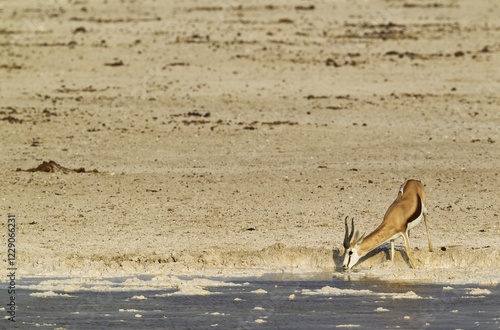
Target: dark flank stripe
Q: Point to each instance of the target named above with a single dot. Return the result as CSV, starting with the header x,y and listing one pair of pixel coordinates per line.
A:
x,y
418,210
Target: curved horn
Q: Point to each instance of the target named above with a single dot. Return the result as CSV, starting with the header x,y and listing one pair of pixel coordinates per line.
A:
x,y
348,236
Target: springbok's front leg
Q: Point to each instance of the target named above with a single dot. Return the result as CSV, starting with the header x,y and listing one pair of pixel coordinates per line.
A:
x,y
408,252
392,251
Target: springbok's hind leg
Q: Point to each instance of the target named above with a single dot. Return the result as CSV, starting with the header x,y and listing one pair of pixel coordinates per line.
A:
x,y
426,220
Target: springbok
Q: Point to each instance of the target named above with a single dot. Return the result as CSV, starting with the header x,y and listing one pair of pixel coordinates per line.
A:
x,y
403,215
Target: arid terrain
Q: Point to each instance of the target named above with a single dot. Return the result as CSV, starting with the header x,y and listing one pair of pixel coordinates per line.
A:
x,y
233,137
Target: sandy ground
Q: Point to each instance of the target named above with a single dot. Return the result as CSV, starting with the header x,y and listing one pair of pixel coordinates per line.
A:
x,y
229,137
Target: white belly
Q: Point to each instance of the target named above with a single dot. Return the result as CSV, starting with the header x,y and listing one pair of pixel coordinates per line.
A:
x,y
411,225
393,238
415,222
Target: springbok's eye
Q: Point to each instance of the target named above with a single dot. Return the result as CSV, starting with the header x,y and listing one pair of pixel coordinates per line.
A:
x,y
350,252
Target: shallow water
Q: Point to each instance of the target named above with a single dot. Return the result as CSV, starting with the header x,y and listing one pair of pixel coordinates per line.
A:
x,y
273,301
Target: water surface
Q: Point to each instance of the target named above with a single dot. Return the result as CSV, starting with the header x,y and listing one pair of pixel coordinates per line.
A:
x,y
273,301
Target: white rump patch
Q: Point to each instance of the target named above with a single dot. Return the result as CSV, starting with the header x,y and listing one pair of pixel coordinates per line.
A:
x,y
402,188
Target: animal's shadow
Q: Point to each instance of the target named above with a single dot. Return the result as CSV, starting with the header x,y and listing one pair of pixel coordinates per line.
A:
x,y
338,256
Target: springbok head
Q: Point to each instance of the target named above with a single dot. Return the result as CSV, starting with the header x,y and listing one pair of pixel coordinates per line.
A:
x,y
351,245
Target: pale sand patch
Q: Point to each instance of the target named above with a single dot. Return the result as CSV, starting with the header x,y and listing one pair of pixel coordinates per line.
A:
x,y
259,291
189,290
50,294
327,290
478,292
381,309
331,291
347,326
196,286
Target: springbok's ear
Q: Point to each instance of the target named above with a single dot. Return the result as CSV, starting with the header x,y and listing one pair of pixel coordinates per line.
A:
x,y
356,237
358,242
